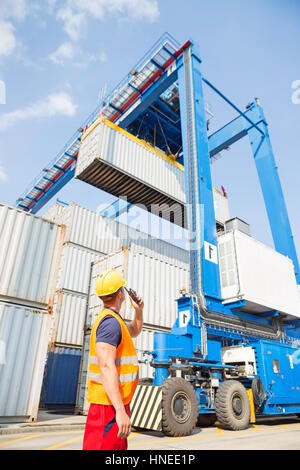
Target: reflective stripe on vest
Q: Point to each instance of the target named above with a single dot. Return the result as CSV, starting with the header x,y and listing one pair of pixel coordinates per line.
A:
x,y
119,361
123,378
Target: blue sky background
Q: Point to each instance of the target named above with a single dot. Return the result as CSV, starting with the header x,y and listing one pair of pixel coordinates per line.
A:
x,y
56,56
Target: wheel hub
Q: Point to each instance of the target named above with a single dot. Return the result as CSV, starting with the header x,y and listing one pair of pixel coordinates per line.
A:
x,y
237,405
181,407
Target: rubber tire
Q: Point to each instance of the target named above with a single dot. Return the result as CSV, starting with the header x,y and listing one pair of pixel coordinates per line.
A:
x,y
224,411
206,419
258,391
170,426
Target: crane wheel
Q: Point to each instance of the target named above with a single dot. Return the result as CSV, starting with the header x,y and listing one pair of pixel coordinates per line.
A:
x,y
258,391
206,419
232,405
179,407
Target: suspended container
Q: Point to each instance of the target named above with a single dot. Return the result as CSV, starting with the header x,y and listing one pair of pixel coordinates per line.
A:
x,y
30,249
24,336
143,344
69,313
119,163
156,279
257,274
61,378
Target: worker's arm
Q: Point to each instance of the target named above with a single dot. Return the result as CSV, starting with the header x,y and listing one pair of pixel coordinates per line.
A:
x,y
136,325
106,356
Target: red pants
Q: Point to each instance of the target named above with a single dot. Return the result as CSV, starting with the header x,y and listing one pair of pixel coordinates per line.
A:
x,y
101,429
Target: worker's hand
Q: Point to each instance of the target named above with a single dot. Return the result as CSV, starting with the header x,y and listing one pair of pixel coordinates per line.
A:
x,y
137,305
124,424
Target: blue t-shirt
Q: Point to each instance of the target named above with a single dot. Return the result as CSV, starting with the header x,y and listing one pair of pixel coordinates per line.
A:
x,y
109,331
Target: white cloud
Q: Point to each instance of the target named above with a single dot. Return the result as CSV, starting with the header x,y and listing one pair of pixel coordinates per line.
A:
x,y
74,12
74,23
10,10
7,38
53,105
63,52
16,9
3,175
101,57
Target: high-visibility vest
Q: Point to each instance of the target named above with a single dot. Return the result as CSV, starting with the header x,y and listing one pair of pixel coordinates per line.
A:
x,y
126,364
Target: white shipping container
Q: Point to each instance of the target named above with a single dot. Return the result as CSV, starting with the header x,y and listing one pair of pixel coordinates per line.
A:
x,y
258,274
24,336
86,228
30,248
156,280
143,343
91,230
75,266
69,313
119,163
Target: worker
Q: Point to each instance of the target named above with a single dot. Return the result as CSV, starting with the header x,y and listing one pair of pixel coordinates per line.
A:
x,y
113,367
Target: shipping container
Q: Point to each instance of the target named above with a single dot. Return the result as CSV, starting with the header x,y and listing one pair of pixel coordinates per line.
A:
x,y
24,336
261,276
30,248
119,163
89,229
75,266
61,378
69,313
157,280
143,344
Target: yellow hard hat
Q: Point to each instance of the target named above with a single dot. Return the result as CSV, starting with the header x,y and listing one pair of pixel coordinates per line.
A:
x,y
109,282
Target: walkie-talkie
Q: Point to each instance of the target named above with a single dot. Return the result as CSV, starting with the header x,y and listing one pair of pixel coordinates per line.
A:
x,y
133,295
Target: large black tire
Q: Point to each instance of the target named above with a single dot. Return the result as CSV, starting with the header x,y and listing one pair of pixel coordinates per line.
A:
x,y
206,419
232,405
179,407
258,392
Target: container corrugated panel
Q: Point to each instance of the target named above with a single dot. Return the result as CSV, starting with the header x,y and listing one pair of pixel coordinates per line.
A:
x,y
156,280
120,164
29,252
24,336
113,160
75,266
144,342
61,378
89,229
69,312
254,272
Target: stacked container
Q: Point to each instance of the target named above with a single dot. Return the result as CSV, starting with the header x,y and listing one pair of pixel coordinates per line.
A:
x,y
30,249
89,237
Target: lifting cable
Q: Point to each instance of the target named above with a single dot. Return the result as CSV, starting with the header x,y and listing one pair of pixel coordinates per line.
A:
x,y
162,131
138,134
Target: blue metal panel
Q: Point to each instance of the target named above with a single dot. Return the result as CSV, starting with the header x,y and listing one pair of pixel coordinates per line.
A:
x,y
205,276
64,179
278,367
148,98
61,378
272,192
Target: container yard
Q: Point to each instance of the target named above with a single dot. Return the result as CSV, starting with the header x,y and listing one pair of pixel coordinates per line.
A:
x,y
208,325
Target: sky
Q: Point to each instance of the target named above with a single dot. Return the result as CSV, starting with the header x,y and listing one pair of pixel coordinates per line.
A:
x,y
58,56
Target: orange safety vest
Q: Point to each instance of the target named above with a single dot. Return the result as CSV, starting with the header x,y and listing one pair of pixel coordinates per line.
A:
x,y
126,364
